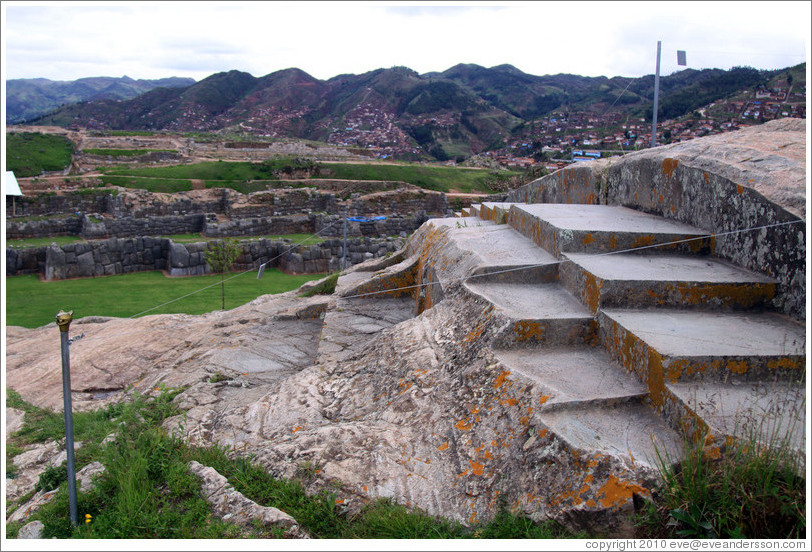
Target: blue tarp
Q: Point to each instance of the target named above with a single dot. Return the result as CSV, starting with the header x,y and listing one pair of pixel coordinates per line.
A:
x,y
362,219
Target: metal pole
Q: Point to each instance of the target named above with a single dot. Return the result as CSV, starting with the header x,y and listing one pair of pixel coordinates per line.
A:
x,y
656,99
63,320
344,250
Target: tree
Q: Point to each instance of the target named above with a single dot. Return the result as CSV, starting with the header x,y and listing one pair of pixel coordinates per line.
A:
x,y
220,256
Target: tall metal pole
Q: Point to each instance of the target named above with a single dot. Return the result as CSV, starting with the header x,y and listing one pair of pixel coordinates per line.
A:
x,y
656,99
344,249
63,320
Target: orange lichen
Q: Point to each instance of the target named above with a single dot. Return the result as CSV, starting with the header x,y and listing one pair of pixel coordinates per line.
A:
x,y
616,492
669,165
526,331
297,428
500,379
509,402
737,366
588,239
443,446
784,363
476,467
592,292
544,398
643,241
463,425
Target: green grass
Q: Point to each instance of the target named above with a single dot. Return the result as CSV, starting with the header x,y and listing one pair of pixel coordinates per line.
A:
x,y
43,242
31,153
247,177
32,303
147,491
327,287
740,490
299,239
125,152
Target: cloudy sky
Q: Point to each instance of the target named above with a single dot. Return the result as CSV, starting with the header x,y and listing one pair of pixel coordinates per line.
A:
x,y
66,41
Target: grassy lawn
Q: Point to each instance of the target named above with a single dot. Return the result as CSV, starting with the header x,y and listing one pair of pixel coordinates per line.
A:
x,y
32,303
43,242
125,152
237,174
30,153
301,239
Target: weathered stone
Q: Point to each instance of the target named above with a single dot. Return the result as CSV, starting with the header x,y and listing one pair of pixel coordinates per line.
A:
x,y
14,420
31,530
84,483
231,505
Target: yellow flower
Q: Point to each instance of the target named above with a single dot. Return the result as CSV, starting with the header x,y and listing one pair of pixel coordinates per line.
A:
x,y
88,518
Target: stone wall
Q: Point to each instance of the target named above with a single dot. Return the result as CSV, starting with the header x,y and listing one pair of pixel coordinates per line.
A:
x,y
746,187
223,213
285,202
124,255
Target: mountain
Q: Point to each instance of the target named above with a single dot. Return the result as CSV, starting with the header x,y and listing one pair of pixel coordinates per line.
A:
x,y
458,112
28,99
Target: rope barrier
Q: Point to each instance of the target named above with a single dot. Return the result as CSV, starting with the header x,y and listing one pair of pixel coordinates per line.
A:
x,y
87,338
560,261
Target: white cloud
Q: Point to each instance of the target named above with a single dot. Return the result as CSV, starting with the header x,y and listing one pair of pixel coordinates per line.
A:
x,y
160,39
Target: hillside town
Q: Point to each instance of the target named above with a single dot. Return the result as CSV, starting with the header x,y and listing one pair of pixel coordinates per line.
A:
x,y
564,137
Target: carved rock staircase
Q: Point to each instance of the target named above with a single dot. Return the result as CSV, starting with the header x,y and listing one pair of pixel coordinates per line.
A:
x,y
637,334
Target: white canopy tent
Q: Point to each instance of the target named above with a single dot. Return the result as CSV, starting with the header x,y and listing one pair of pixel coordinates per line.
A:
x,y
12,188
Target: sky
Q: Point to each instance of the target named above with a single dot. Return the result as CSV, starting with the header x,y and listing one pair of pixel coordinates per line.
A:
x,y
149,40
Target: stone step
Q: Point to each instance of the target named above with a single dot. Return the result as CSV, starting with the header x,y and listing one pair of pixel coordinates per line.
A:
x,y
591,403
631,431
495,211
505,255
475,207
538,313
705,349
560,228
772,414
634,281
573,377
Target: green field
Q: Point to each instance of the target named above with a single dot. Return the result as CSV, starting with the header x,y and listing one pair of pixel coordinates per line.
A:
x,y
30,153
125,152
243,176
32,303
298,239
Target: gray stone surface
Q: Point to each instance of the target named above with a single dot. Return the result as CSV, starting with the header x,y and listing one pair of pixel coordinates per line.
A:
x,y
530,301
669,268
14,419
232,506
572,376
700,334
31,530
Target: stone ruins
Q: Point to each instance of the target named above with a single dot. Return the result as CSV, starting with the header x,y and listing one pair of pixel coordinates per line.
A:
x,y
538,353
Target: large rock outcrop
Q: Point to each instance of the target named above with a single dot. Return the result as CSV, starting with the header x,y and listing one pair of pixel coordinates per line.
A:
x,y
414,382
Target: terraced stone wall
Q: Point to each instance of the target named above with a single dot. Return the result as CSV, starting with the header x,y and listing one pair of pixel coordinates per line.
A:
x,y
737,186
124,255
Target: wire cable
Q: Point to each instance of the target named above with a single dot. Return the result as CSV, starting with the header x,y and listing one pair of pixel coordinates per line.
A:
x,y
560,261
290,247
